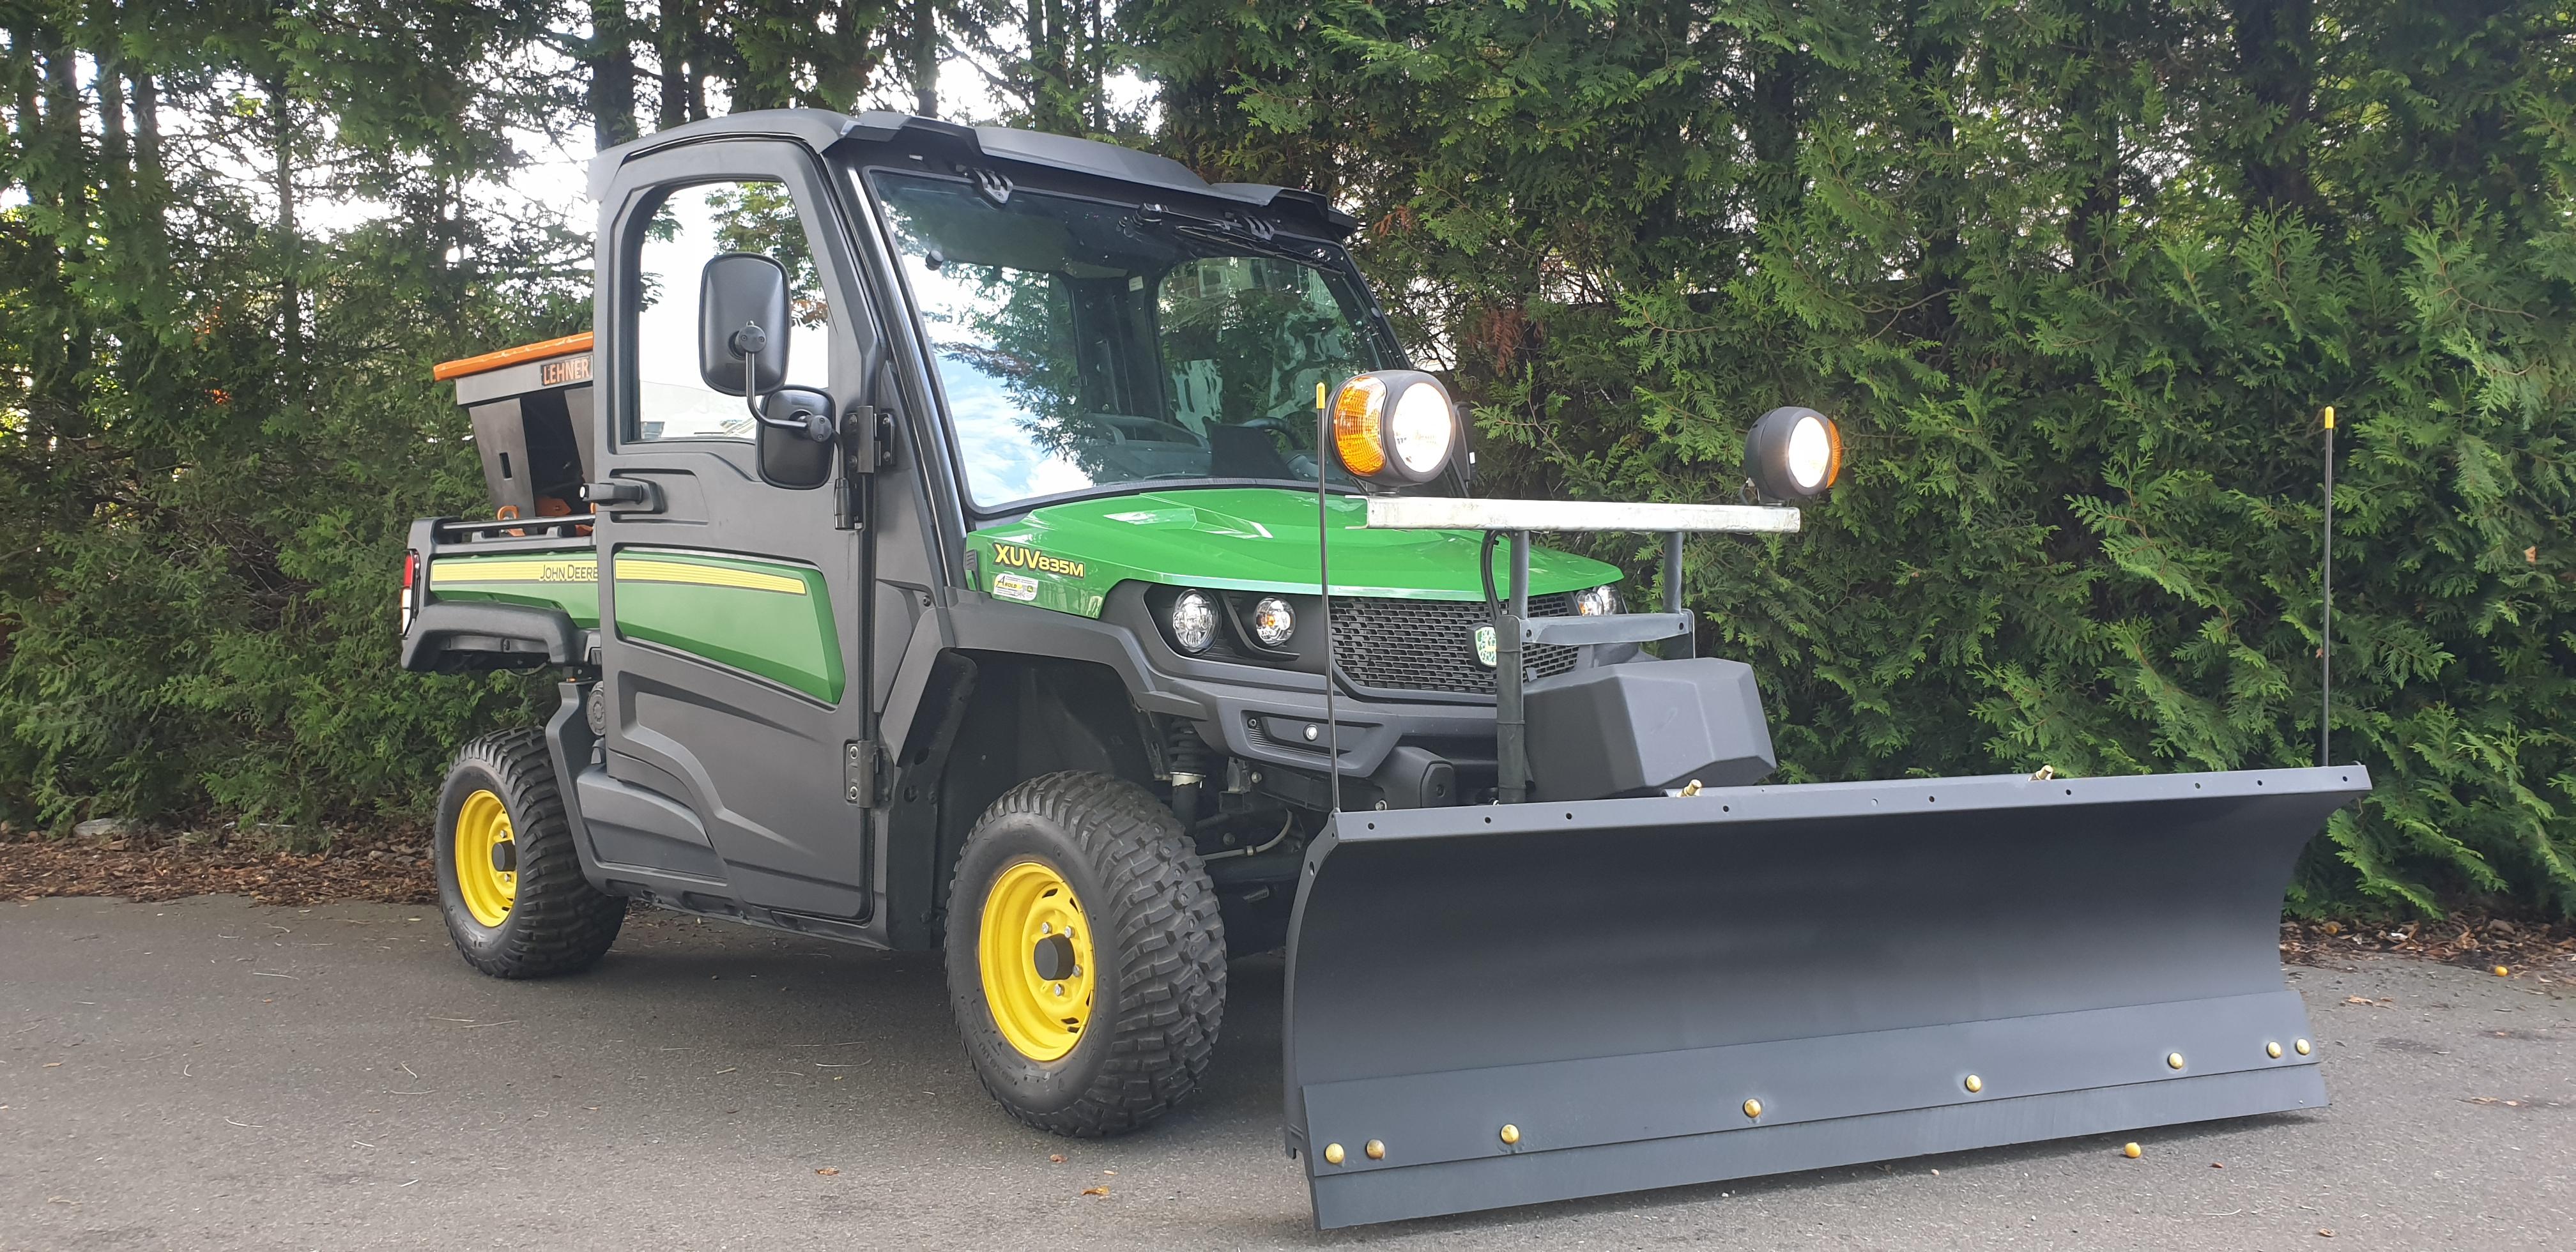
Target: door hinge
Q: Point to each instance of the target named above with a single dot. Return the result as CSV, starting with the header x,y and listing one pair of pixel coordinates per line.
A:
x,y
881,440
859,773
867,438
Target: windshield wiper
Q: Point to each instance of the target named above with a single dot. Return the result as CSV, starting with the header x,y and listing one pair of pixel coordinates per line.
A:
x,y
1252,234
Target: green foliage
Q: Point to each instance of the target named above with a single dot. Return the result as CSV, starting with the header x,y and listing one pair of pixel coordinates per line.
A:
x,y
214,429
2077,280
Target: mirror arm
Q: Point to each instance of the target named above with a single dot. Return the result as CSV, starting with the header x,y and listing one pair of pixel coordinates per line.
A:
x,y
748,342
814,426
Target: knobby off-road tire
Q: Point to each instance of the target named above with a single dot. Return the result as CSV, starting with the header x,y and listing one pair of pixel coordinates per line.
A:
x,y
1157,991
555,922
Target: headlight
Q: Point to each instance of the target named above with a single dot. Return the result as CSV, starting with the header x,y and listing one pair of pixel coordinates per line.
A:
x,y
1193,621
1394,426
1793,453
1598,602
1273,621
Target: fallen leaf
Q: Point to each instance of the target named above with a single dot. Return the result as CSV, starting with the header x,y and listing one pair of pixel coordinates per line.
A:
x,y
2325,1232
828,1172
1057,1157
1095,1191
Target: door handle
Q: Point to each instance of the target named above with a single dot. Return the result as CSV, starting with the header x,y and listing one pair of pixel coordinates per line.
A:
x,y
623,495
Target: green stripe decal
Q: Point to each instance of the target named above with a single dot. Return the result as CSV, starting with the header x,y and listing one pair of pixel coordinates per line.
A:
x,y
762,617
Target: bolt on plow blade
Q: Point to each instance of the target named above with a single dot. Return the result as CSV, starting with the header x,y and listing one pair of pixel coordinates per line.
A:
x,y
1501,1005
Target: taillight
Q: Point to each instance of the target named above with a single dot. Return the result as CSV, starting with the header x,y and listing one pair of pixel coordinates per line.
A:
x,y
411,579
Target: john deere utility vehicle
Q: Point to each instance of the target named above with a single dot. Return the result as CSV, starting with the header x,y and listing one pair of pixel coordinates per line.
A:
x,y
975,540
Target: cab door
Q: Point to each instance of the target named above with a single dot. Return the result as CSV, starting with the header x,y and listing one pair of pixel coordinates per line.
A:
x,y
733,624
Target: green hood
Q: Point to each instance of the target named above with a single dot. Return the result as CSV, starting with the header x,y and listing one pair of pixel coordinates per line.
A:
x,y
1068,556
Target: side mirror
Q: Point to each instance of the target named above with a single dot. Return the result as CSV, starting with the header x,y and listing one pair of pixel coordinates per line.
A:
x,y
742,324
796,429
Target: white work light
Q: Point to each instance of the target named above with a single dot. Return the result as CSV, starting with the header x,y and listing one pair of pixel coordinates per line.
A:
x,y
1793,453
1394,426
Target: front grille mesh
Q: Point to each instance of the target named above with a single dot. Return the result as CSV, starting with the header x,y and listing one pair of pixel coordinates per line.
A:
x,y
1430,645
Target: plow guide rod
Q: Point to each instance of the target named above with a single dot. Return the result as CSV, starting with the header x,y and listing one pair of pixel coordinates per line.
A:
x,y
1755,980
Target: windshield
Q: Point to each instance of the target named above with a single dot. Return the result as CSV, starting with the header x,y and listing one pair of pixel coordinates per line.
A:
x,y
1084,347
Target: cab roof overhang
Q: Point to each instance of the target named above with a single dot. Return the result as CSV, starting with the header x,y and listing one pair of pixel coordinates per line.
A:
x,y
998,147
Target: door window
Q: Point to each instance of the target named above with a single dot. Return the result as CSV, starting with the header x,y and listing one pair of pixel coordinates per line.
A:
x,y
693,225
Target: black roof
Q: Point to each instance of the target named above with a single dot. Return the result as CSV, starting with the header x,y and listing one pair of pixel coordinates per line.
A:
x,y
999,146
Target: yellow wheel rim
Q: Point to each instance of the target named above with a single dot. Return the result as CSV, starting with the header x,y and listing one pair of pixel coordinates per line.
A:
x,y
1035,953
487,858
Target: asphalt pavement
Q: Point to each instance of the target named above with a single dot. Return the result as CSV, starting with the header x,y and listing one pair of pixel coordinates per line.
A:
x,y
211,1074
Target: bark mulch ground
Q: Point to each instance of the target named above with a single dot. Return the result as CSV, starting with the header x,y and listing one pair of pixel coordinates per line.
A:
x,y
390,867
2542,947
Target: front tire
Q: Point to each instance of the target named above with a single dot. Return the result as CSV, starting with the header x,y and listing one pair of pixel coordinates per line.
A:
x,y
510,886
1086,962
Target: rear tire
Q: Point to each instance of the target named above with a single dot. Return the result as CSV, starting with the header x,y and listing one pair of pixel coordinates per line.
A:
x,y
1084,1050
541,917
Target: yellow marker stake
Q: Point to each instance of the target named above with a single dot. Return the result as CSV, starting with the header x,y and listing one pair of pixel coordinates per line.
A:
x,y
2325,614
1324,586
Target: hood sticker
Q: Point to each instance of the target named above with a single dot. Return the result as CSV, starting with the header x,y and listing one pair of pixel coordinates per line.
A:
x,y
1015,586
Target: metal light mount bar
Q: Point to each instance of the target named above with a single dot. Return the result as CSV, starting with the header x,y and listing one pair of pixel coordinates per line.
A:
x,y
1441,513
1517,630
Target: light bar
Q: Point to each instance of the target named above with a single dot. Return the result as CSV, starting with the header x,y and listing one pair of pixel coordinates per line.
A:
x,y
1441,513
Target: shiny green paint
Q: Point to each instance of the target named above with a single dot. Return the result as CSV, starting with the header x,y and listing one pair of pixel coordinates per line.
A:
x,y
763,617
1239,539
566,580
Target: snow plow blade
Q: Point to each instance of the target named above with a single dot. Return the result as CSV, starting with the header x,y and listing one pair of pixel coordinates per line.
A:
x,y
1508,1004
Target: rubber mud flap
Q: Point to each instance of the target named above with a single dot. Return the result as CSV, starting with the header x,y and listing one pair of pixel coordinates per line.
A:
x,y
1755,980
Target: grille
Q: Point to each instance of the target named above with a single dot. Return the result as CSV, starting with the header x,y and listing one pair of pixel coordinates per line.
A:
x,y
1430,645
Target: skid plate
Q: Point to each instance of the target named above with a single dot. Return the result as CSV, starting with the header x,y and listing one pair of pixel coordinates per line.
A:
x,y
1758,980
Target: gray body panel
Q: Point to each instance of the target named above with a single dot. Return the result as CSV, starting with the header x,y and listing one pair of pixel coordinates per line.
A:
x,y
1615,978
751,768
